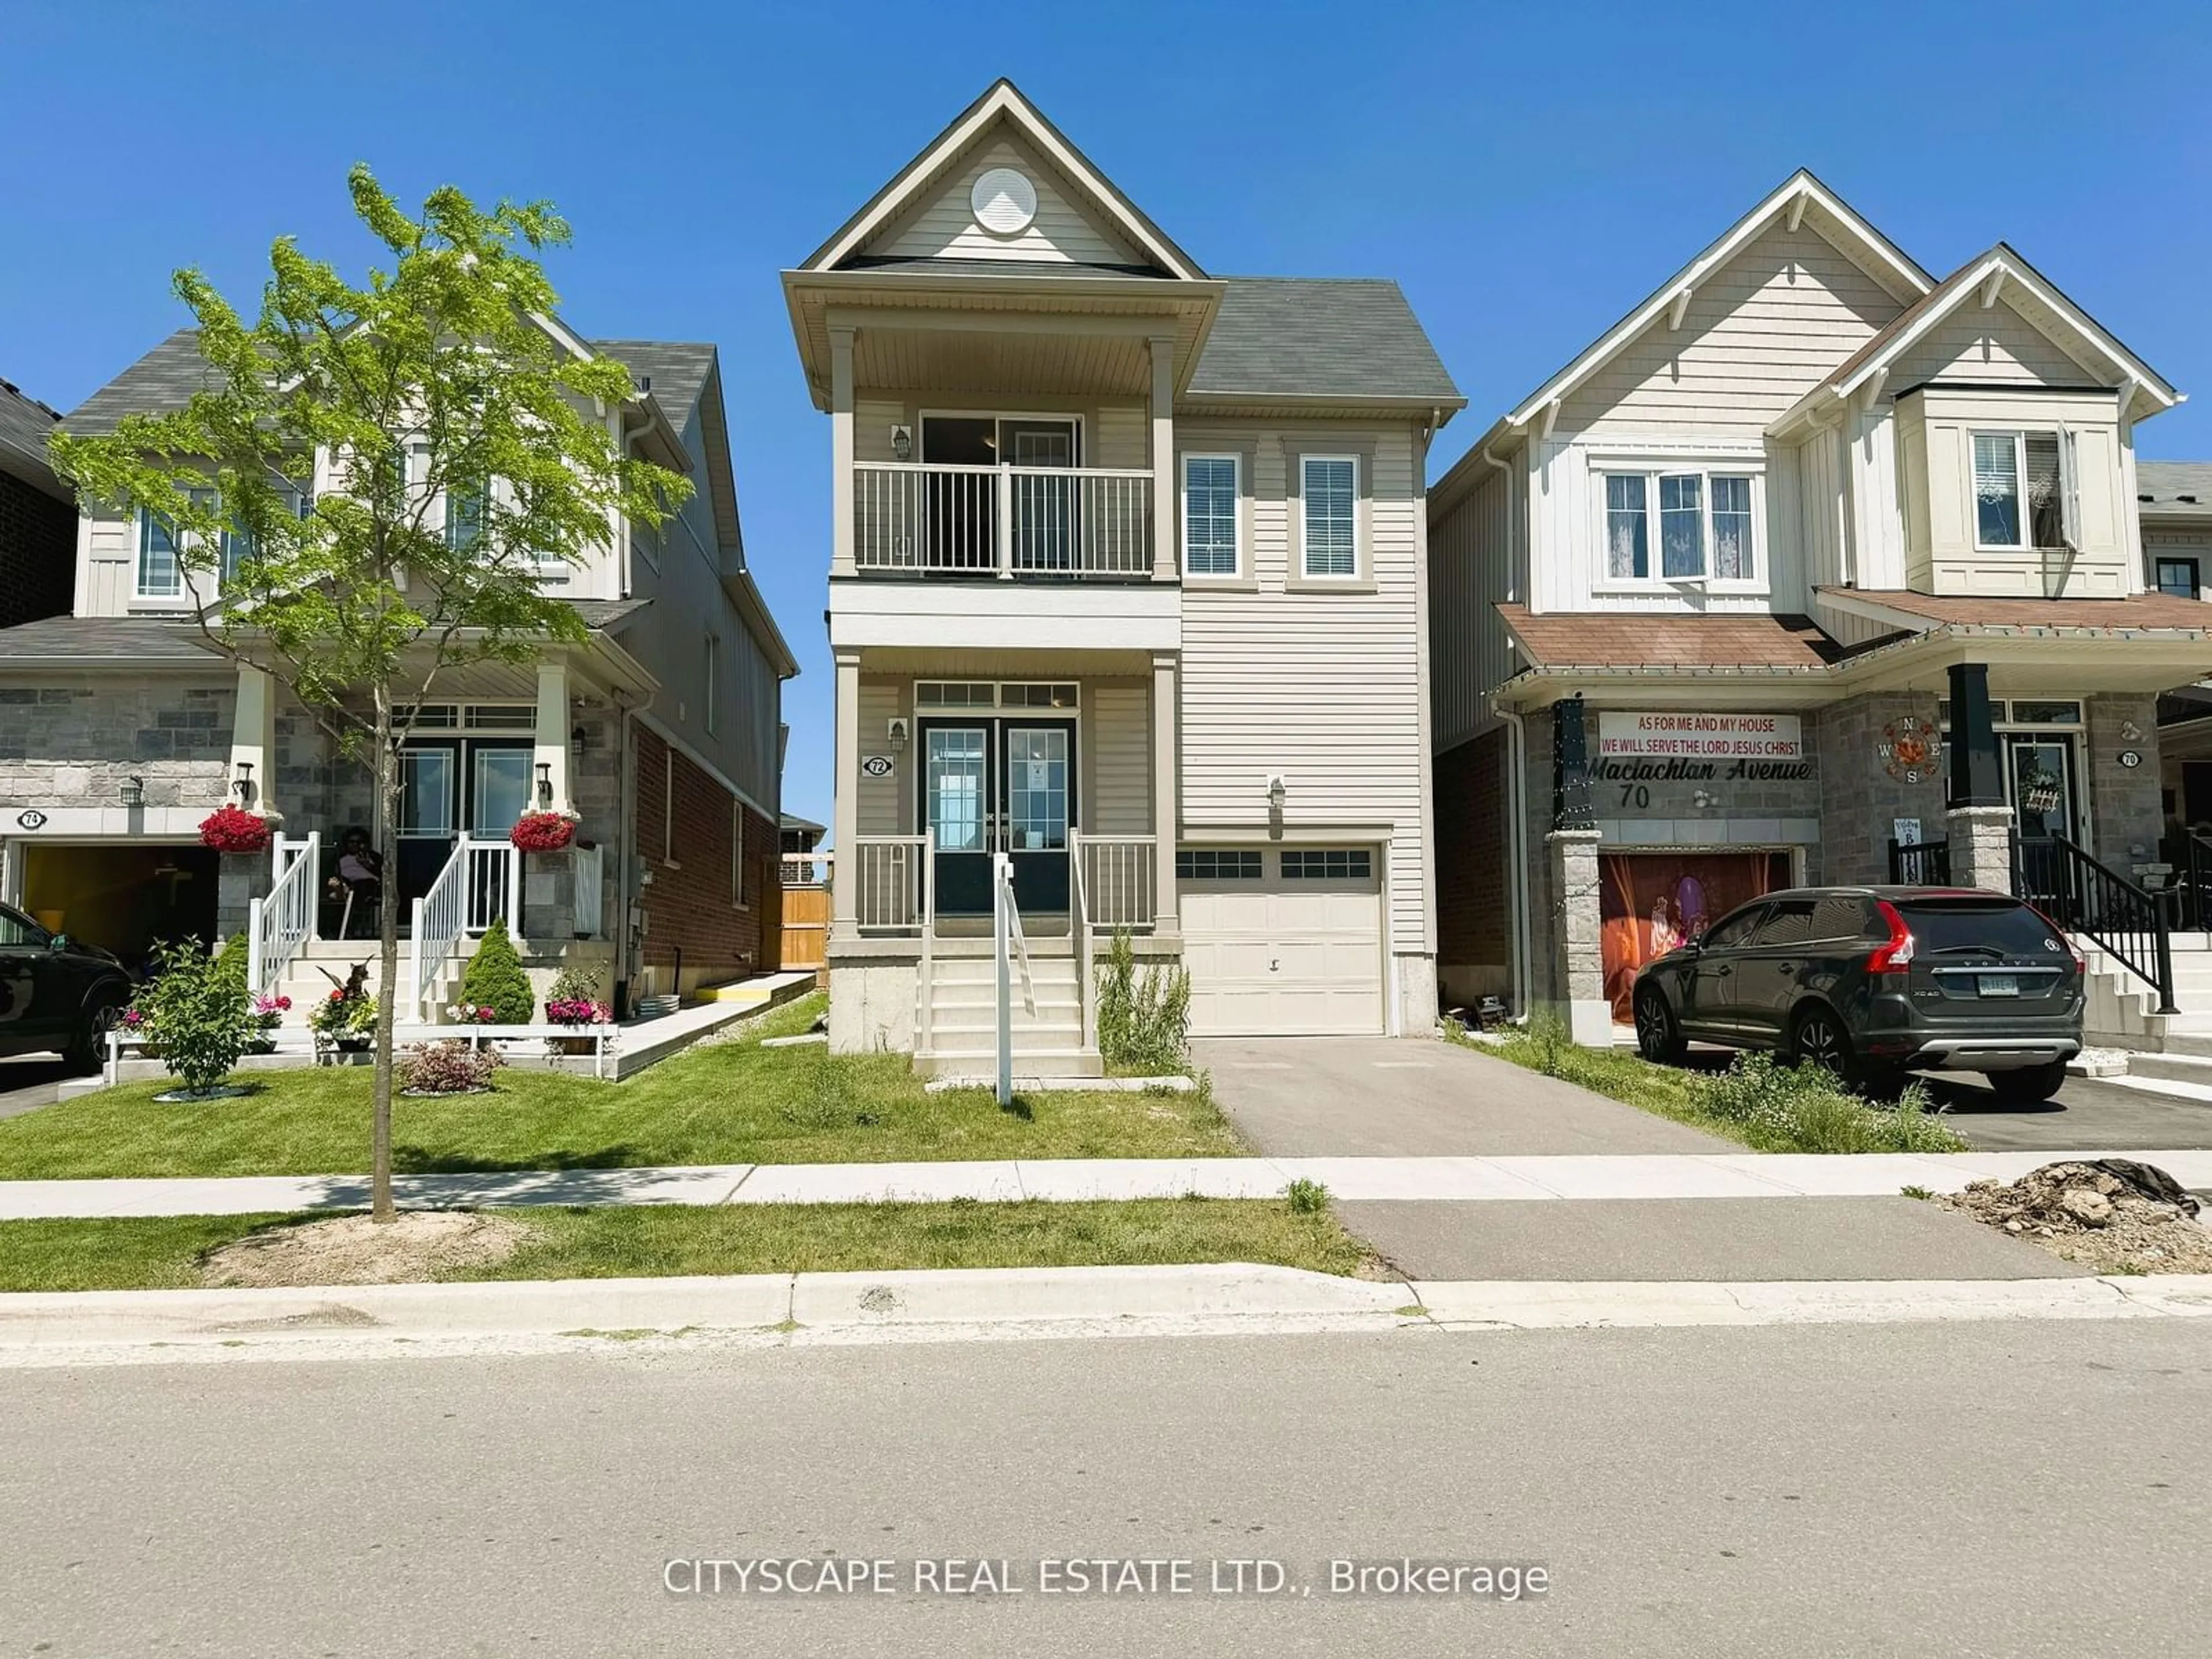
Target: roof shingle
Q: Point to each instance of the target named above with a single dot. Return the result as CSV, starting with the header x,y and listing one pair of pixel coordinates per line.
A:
x,y
2173,489
1320,336
1581,640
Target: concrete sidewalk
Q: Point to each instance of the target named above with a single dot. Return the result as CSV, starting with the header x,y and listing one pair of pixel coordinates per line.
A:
x,y
1447,1181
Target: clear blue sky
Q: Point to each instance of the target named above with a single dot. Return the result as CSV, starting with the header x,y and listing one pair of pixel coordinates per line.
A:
x,y
1527,173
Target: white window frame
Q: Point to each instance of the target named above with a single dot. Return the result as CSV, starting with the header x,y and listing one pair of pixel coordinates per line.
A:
x,y
2069,487
179,589
1235,461
1651,470
1306,572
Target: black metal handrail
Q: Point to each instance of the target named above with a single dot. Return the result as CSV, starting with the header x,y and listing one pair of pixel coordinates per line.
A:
x,y
1922,863
2084,896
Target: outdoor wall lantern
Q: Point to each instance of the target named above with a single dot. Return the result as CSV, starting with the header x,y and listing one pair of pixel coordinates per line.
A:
x,y
578,740
244,783
1277,792
132,791
545,783
895,734
901,442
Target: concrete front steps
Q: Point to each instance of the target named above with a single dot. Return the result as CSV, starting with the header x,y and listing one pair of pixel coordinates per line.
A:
x,y
323,964
963,1021
2122,1013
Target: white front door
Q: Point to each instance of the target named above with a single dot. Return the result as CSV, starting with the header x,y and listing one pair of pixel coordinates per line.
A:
x,y
1283,941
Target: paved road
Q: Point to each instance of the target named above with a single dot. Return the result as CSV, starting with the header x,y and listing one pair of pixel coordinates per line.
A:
x,y
2019,1489
2086,1113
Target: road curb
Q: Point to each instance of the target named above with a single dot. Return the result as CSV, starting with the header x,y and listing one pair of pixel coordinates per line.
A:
x,y
781,1309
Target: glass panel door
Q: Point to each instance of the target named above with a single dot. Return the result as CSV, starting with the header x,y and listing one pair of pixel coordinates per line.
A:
x,y
955,804
2039,775
1044,508
499,791
1040,805
429,815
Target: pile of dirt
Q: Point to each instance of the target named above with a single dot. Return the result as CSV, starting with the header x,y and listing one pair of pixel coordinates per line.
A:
x,y
416,1246
2114,1214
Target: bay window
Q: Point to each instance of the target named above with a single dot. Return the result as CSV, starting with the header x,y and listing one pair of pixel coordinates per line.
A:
x,y
1704,528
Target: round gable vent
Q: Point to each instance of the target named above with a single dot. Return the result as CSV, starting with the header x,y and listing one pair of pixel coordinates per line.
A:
x,y
1005,201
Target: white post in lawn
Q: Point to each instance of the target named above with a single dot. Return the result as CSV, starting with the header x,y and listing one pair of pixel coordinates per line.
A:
x,y
1002,952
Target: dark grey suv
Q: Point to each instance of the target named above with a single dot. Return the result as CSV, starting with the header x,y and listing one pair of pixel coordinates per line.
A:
x,y
1872,982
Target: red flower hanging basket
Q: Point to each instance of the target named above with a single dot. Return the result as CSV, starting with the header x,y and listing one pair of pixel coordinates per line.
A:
x,y
234,830
543,832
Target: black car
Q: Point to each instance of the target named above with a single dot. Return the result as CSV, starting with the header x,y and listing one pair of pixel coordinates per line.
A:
x,y
55,992
1872,982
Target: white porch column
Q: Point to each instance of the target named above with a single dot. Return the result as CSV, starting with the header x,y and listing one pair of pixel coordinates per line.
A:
x,y
1166,557
253,740
1166,799
845,813
550,742
840,450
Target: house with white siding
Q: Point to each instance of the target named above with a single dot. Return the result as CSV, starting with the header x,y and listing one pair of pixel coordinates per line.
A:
x,y
1813,568
1126,583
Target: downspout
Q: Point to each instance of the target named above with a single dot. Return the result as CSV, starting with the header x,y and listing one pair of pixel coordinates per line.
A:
x,y
626,864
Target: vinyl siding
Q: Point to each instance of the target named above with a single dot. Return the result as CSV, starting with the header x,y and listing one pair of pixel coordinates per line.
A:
x,y
883,801
1116,726
1472,564
1760,332
1321,687
945,226
1998,344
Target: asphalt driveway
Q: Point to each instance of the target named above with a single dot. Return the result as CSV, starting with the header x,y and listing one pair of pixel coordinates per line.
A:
x,y
1423,1098
1419,1098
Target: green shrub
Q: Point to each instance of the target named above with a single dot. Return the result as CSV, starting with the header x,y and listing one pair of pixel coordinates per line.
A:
x,y
1144,1019
1550,1044
494,979
1306,1197
201,1010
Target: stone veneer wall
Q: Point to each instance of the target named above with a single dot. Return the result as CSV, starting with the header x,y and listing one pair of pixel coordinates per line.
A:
x,y
73,746
2126,815
1861,799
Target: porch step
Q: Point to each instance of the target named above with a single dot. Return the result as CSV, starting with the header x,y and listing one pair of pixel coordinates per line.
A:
x,y
983,1035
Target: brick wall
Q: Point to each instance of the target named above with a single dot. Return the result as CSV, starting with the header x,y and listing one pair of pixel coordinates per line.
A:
x,y
38,553
689,907
1472,850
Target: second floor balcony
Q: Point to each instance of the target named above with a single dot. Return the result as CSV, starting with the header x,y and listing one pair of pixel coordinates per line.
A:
x,y
1006,521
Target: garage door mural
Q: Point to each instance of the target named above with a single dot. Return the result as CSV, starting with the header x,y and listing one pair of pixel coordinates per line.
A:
x,y
1651,902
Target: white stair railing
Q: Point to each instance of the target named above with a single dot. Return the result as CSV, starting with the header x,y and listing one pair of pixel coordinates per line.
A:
x,y
494,870
1080,922
1009,947
441,918
280,922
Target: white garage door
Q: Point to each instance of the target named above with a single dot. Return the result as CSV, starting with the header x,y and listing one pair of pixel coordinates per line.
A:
x,y
1282,942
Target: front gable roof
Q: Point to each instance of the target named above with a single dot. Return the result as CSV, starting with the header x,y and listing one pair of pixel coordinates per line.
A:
x,y
1796,198
1982,282
1003,117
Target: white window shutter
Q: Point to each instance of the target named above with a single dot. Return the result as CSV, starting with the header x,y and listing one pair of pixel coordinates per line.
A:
x,y
2069,488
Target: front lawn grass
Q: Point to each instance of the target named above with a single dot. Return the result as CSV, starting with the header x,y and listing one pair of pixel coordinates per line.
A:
x,y
656,1241
732,1102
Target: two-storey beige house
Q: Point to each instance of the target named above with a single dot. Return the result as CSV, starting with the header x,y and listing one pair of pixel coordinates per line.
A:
x,y
1128,583
1703,604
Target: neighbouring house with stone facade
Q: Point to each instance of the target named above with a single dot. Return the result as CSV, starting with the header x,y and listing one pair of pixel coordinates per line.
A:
x,y
38,515
1127,585
662,732
1813,568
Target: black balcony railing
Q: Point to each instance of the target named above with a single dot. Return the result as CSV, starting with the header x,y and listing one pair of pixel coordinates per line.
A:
x,y
1920,863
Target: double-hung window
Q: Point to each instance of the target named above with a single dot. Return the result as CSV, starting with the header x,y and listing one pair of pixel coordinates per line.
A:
x,y
1209,516
2026,491
161,572
1704,528
464,516
1328,486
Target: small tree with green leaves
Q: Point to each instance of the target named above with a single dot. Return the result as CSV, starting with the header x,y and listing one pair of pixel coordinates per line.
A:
x,y
200,1008
494,979
367,490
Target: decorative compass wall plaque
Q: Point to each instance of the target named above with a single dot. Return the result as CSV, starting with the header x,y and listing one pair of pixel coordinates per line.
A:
x,y
1908,748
